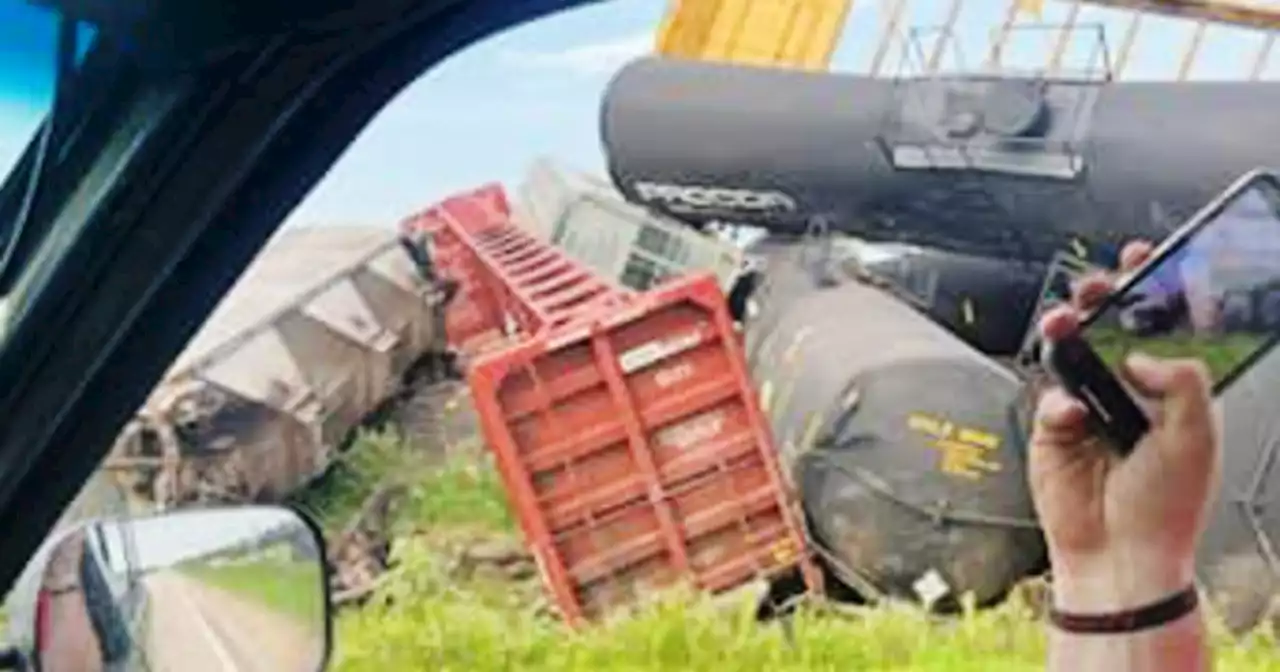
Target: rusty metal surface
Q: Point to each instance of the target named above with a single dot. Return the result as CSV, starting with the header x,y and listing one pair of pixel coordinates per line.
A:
x,y
635,454
319,332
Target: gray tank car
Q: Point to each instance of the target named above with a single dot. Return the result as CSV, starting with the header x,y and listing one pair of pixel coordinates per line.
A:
x,y
1007,168
986,302
1238,561
906,445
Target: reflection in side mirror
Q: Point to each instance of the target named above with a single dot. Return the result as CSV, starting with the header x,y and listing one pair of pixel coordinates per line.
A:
x,y
219,590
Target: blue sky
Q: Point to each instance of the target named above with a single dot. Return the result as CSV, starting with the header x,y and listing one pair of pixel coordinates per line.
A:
x,y
484,114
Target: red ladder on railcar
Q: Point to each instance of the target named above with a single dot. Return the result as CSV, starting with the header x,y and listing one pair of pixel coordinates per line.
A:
x,y
509,277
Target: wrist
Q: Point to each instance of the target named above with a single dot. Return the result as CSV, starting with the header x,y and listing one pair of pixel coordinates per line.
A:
x,y
62,588
1118,582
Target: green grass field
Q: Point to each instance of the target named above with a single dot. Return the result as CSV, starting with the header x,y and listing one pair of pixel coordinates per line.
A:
x,y
429,616
293,589
353,477
1220,353
453,630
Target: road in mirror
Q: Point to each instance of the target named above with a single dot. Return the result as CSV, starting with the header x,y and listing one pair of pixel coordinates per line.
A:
x,y
220,590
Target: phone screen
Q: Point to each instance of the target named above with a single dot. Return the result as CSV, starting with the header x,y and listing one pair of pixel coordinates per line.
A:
x,y
1214,296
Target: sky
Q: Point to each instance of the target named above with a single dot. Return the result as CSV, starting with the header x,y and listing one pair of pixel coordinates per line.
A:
x,y
484,114
534,90
166,539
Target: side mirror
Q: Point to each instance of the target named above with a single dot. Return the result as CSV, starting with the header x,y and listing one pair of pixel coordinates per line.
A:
x,y
236,588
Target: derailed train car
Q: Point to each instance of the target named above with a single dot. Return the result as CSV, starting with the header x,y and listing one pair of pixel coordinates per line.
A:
x,y
908,449
1238,559
323,329
588,220
997,167
916,489
906,444
986,302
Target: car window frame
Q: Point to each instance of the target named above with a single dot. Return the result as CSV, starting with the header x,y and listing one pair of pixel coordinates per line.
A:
x,y
131,325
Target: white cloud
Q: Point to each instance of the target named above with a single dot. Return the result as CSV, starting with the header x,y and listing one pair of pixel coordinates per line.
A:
x,y
592,58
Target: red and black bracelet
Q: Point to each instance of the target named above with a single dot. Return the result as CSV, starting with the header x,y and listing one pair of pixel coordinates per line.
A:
x,y
1142,618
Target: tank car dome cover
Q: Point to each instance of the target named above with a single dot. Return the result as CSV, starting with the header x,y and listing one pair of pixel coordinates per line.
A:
x,y
1233,560
912,454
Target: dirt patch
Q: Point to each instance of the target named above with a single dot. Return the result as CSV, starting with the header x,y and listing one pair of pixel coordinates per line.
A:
x,y
438,419
495,559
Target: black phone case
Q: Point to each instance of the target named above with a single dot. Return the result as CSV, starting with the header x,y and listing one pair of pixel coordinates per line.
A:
x,y
1086,377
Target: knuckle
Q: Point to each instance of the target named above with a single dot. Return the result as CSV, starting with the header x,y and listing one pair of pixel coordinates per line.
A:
x,y
1094,281
1190,373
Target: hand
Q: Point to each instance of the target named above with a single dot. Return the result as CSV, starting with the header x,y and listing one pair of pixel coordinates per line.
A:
x,y
1123,532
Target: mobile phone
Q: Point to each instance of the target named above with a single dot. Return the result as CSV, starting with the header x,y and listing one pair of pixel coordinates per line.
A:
x,y
1063,272
1211,291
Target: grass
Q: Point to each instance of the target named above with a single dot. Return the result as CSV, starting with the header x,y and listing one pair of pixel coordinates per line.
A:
x,y
464,494
372,457
1221,354
428,619
430,616
292,589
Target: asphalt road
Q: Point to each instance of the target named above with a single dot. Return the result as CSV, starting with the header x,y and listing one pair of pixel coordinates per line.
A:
x,y
200,628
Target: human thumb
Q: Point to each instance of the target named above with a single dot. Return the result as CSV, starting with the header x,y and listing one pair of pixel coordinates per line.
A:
x,y
1180,386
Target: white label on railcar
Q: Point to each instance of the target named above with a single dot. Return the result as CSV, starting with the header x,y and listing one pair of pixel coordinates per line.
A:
x,y
699,429
672,375
692,198
644,355
931,587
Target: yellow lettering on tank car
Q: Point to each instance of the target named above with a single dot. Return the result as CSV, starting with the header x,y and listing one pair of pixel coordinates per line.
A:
x,y
766,396
966,452
784,552
785,392
810,435
790,355
979,438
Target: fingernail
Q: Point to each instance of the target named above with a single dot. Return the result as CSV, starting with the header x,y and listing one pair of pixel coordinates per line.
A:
x,y
1140,360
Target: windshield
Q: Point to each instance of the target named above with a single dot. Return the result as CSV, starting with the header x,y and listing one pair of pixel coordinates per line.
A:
x,y
410,359
28,48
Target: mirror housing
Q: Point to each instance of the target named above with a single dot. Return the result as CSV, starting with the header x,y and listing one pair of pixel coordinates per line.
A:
x,y
236,587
